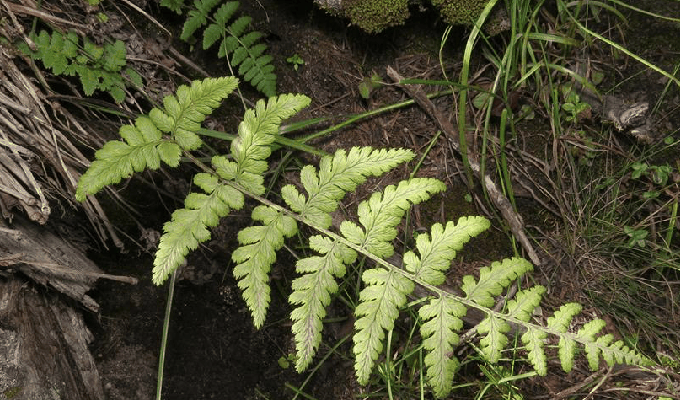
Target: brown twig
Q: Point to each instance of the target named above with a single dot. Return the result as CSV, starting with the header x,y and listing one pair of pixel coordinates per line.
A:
x,y
59,269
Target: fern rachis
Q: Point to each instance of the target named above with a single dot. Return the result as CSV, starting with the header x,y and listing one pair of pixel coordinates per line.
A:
x,y
167,133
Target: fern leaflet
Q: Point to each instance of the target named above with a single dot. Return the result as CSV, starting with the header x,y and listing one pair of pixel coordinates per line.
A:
x,y
386,290
312,292
441,320
381,299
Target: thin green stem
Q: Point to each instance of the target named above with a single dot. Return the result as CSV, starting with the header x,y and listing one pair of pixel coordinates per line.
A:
x,y
164,338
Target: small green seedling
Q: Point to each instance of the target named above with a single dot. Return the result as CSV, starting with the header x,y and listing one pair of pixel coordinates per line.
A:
x,y
637,236
296,61
368,84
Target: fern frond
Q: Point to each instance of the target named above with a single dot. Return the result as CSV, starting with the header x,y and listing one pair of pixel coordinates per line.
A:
x,y
312,292
441,320
338,175
256,255
246,53
384,294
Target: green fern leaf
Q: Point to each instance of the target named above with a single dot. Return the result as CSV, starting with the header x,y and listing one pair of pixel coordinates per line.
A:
x,y
436,254
587,335
560,322
312,292
250,150
441,320
521,307
198,17
217,30
247,50
338,175
383,211
534,341
55,56
183,113
493,329
238,27
255,256
89,78
142,148
186,229
381,299
256,133
114,56
493,280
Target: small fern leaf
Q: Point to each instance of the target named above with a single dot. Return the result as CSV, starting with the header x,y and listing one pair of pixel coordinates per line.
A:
x,y
381,299
143,147
255,135
187,228
587,335
522,307
312,292
493,329
238,27
256,255
525,302
560,322
534,339
198,17
441,319
493,280
183,113
436,253
382,212
337,175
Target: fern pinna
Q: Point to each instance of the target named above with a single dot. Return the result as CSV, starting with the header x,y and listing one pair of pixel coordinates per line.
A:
x,y
246,54
166,133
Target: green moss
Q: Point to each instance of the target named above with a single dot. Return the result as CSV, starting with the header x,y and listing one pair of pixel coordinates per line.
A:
x,y
460,12
376,15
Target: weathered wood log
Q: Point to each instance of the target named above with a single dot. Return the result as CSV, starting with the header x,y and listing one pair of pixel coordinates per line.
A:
x,y
44,345
43,338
